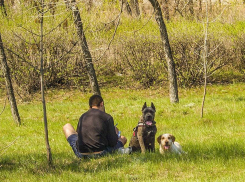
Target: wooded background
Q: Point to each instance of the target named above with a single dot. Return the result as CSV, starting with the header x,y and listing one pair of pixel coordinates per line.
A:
x,y
127,54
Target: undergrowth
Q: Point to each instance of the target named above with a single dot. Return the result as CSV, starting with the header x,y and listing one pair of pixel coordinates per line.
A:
x,y
120,59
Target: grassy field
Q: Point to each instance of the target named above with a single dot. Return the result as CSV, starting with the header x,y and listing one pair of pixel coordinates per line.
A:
x,y
215,144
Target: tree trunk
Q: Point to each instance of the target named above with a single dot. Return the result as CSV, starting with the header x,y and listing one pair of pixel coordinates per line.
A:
x,y
82,39
49,155
165,7
135,7
3,7
126,7
205,56
173,88
191,7
200,7
8,82
210,6
52,5
89,5
176,8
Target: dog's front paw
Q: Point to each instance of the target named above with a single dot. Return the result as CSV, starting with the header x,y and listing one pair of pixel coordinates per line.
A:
x,y
143,151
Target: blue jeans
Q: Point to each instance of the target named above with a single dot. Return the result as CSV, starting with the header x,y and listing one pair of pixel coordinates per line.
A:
x,y
72,139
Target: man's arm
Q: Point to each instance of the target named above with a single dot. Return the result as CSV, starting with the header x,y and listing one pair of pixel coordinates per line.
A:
x,y
112,135
78,125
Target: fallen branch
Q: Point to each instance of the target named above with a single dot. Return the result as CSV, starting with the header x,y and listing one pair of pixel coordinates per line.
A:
x,y
8,146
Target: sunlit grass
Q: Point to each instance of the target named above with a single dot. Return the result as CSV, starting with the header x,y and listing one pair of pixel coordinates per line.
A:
x,y
214,144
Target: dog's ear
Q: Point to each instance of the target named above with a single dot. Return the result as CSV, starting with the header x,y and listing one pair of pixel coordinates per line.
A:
x,y
152,105
173,138
144,106
159,139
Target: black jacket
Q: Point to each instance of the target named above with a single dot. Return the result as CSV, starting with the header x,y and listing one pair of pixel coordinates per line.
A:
x,y
96,131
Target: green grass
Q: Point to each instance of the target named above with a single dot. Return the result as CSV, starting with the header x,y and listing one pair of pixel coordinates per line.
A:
x,y
214,145
99,28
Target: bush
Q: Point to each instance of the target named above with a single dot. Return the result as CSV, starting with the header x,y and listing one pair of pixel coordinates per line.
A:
x,y
141,59
63,63
134,59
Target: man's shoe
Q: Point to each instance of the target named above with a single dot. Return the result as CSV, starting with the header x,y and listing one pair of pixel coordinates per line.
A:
x,y
127,150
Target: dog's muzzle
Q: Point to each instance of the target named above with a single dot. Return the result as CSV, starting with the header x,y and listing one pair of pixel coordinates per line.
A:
x,y
149,117
166,146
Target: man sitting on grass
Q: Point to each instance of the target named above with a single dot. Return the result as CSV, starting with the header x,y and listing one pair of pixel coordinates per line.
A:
x,y
96,134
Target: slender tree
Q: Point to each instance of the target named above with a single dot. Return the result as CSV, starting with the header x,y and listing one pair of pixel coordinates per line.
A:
x,y
126,7
173,88
83,42
200,7
41,14
8,82
191,7
2,7
135,7
205,56
165,7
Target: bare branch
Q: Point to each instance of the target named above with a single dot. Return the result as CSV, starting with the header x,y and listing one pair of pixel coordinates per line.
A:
x,y
57,26
59,59
119,18
28,30
146,22
23,59
15,34
219,15
5,148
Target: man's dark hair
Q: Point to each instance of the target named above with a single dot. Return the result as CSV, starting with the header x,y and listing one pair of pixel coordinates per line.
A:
x,y
95,100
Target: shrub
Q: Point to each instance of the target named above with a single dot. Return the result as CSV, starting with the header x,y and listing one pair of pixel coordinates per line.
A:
x,y
133,58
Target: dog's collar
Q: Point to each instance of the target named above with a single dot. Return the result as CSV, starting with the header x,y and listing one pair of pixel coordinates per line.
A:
x,y
143,123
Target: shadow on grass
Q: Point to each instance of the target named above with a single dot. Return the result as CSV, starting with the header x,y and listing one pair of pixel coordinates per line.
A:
x,y
37,164
220,151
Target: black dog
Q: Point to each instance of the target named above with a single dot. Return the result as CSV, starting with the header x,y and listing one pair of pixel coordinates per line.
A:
x,y
144,133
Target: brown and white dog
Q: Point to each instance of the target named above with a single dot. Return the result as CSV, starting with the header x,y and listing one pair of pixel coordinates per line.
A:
x,y
167,143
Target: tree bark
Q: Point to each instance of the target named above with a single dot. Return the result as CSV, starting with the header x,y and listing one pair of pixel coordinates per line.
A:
x,y
173,88
205,57
126,7
200,7
90,5
49,154
135,7
8,82
83,42
3,7
210,6
165,7
191,7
